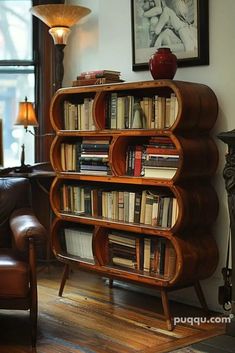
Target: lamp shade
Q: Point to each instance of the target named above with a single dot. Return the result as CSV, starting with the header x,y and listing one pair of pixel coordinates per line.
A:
x,y
59,34
59,15
26,114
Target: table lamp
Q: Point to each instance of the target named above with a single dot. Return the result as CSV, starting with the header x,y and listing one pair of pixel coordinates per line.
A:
x,y
26,117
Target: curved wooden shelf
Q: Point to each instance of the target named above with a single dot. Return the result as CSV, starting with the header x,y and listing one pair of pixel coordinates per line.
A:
x,y
197,157
197,103
197,203
195,259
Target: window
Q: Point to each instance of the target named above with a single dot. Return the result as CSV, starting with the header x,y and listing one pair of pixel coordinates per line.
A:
x,y
17,76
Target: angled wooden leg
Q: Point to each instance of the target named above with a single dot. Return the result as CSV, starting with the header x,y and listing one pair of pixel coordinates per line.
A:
x,y
201,296
166,309
63,279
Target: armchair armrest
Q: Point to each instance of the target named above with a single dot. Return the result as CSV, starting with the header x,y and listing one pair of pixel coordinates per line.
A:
x,y
25,225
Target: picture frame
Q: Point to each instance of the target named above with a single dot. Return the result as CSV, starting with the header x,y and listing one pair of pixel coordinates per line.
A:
x,y
187,36
1,144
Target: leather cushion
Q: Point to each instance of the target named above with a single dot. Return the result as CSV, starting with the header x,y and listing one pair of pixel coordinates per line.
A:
x,y
14,276
14,193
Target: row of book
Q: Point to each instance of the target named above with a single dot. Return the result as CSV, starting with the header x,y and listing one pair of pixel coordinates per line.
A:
x,y
154,255
90,156
79,116
123,112
78,242
131,112
158,158
97,77
146,207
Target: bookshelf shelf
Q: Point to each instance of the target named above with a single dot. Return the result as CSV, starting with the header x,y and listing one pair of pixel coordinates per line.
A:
x,y
136,204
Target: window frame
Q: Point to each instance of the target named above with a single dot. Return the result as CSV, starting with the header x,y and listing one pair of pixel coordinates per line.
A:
x,y
43,51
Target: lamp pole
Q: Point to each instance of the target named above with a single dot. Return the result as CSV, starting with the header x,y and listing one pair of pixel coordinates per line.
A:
x,y
59,66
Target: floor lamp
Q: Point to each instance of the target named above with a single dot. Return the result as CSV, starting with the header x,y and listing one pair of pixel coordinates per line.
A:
x,y
59,18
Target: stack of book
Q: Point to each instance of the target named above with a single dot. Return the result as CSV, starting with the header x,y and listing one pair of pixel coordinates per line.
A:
x,y
122,250
161,158
97,77
94,156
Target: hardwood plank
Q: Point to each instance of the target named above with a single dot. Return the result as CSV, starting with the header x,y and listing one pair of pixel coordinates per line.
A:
x,y
93,318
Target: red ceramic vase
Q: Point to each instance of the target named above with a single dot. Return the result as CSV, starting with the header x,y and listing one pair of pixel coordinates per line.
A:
x,y
163,64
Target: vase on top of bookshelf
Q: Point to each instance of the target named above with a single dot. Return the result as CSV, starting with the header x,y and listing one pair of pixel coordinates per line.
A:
x,y
163,64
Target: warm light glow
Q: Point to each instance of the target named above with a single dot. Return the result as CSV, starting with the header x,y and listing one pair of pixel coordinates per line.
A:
x,y
59,16
26,114
60,34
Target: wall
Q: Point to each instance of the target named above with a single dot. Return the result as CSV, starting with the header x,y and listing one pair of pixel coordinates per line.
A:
x,y
103,40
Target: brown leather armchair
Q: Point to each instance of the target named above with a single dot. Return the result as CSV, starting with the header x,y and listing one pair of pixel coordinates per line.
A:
x,y
20,232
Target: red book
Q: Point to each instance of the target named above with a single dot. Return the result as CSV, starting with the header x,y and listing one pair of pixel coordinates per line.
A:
x,y
138,160
156,150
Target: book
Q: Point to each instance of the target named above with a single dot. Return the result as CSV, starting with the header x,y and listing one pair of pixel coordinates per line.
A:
x,y
95,81
138,160
79,243
159,172
120,123
121,206
98,73
138,196
170,260
150,149
147,247
162,249
131,207
148,209
120,261
113,110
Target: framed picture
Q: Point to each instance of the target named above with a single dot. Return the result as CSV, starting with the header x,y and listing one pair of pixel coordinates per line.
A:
x,y
1,144
181,25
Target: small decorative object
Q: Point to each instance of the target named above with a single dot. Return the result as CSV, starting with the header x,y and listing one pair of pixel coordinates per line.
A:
x,y
163,64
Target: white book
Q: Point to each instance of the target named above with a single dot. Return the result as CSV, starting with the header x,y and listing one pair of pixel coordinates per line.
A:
x,y
131,206
173,109
159,172
175,211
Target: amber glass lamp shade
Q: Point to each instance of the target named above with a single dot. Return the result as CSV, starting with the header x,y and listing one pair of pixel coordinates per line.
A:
x,y
59,18
26,114
60,34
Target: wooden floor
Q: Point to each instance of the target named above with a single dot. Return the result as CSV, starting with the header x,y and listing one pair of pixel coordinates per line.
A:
x,y
92,318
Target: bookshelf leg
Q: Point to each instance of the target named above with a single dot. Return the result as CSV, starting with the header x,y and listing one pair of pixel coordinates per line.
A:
x,y
166,309
201,296
63,279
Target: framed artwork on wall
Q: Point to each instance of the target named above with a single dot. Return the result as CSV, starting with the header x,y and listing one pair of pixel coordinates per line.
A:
x,y
1,144
181,25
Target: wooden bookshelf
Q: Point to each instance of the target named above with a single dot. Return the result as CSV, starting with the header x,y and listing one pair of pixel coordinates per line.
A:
x,y
139,197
